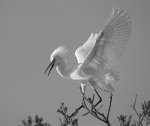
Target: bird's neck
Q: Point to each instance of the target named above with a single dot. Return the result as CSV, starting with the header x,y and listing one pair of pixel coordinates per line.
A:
x,y
63,69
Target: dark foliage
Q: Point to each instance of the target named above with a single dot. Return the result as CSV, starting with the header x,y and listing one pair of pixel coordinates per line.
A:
x,y
37,121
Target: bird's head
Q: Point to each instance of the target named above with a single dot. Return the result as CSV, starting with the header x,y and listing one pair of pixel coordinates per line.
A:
x,y
56,58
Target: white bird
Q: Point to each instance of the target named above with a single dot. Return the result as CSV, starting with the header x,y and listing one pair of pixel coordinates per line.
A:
x,y
97,56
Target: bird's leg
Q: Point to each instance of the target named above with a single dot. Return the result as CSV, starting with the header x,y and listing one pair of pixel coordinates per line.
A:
x,y
83,95
100,99
83,87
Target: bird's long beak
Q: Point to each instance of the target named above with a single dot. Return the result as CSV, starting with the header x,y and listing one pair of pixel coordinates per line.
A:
x,y
50,67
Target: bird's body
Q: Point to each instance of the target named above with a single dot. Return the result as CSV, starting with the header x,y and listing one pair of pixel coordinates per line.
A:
x,y
97,55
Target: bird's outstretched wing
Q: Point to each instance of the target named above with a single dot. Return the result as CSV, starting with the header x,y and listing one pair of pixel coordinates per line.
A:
x,y
111,41
82,52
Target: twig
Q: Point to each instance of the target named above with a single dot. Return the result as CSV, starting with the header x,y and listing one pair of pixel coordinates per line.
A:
x,y
85,114
76,112
141,119
60,121
134,106
111,95
100,99
135,110
100,107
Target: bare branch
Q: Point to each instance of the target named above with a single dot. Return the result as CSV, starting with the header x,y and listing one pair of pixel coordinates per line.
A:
x,y
111,95
134,106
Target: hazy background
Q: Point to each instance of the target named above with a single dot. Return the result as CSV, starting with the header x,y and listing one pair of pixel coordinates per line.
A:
x,y
31,29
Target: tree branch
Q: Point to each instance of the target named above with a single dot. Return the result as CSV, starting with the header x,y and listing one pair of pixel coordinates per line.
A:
x,y
111,95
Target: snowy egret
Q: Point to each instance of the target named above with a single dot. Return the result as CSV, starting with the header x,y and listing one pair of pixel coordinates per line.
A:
x,y
97,56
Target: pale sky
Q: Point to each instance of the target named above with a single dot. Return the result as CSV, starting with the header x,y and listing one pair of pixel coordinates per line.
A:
x,y
29,32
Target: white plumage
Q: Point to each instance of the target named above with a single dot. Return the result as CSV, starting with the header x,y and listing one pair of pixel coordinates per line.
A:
x,y
97,55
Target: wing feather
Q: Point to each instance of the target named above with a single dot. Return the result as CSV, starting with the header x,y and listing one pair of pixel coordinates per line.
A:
x,y
82,52
111,41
